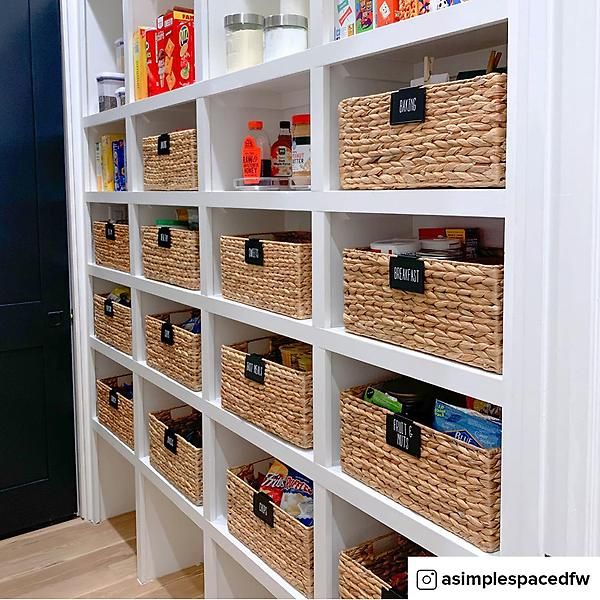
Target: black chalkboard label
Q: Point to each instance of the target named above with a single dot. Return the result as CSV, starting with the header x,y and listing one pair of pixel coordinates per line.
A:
x,y
109,230
167,335
263,508
253,254
407,274
170,441
404,434
255,368
113,398
109,309
407,106
391,593
164,237
164,144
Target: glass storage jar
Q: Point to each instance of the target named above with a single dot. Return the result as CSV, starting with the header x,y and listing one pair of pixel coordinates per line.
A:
x,y
285,34
244,35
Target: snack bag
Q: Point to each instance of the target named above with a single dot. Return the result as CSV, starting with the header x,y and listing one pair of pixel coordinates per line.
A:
x,y
274,482
297,499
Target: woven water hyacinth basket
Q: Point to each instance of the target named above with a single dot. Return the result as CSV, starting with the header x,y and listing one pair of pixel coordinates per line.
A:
x,y
462,142
175,170
113,254
366,570
453,483
459,316
282,405
287,547
283,284
178,265
182,467
115,330
117,417
181,361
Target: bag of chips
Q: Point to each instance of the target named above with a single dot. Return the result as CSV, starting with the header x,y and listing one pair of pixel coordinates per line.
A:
x,y
274,481
297,499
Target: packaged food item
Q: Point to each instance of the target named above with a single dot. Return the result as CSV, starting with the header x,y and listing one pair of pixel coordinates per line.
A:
x,y
281,152
193,324
106,150
122,295
121,97
108,84
301,157
140,63
423,6
119,168
297,498
345,22
408,397
274,481
364,15
379,398
387,12
251,476
396,246
98,169
256,154
485,408
469,239
176,46
467,425
152,70
432,233
291,354
441,249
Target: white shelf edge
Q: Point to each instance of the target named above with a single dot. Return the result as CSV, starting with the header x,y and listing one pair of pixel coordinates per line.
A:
x,y
112,440
262,572
108,274
113,354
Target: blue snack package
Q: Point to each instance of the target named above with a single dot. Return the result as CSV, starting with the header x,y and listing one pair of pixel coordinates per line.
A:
x,y
120,174
467,425
297,499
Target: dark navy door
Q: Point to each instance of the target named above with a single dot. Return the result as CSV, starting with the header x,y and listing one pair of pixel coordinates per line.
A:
x,y
37,447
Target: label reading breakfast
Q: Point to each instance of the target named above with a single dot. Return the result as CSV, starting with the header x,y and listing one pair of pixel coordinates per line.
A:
x,y
254,368
407,274
407,106
404,434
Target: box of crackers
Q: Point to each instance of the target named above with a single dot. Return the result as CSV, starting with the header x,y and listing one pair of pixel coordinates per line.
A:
x,y
175,49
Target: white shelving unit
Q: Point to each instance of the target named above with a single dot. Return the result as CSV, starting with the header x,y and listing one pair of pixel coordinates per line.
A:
x,y
172,532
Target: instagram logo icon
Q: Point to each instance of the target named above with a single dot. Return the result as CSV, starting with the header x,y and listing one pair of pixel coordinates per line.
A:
x,y
426,579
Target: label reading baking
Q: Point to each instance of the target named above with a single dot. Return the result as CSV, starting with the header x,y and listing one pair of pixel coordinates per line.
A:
x,y
109,309
407,274
167,336
407,106
263,508
164,237
170,441
253,254
255,368
391,593
164,144
404,434
109,230
113,398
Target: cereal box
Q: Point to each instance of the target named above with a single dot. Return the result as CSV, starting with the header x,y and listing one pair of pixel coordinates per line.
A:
x,y
120,174
176,65
345,19
152,62
140,65
364,15
387,12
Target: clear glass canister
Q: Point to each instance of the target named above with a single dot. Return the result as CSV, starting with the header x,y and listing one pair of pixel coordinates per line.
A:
x,y
244,35
285,34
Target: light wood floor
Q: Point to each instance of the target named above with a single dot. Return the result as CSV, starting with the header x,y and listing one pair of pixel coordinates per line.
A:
x,y
80,560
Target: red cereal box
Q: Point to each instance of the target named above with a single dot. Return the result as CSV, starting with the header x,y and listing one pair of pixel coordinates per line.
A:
x,y
176,64
152,62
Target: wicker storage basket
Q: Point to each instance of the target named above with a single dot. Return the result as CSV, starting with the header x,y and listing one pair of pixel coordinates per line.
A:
x,y
366,570
118,416
462,142
176,169
454,484
282,405
459,316
283,284
110,253
179,264
115,330
182,360
183,465
287,547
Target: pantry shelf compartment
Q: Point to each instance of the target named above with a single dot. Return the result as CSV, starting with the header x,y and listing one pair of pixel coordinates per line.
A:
x,y
368,569
458,316
112,323
274,396
111,245
272,271
177,458
452,483
287,547
171,255
173,350
114,410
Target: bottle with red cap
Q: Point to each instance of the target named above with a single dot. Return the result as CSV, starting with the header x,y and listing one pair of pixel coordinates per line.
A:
x,y
256,154
301,150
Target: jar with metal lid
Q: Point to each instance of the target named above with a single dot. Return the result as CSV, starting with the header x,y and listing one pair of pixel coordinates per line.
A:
x,y
285,34
244,37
